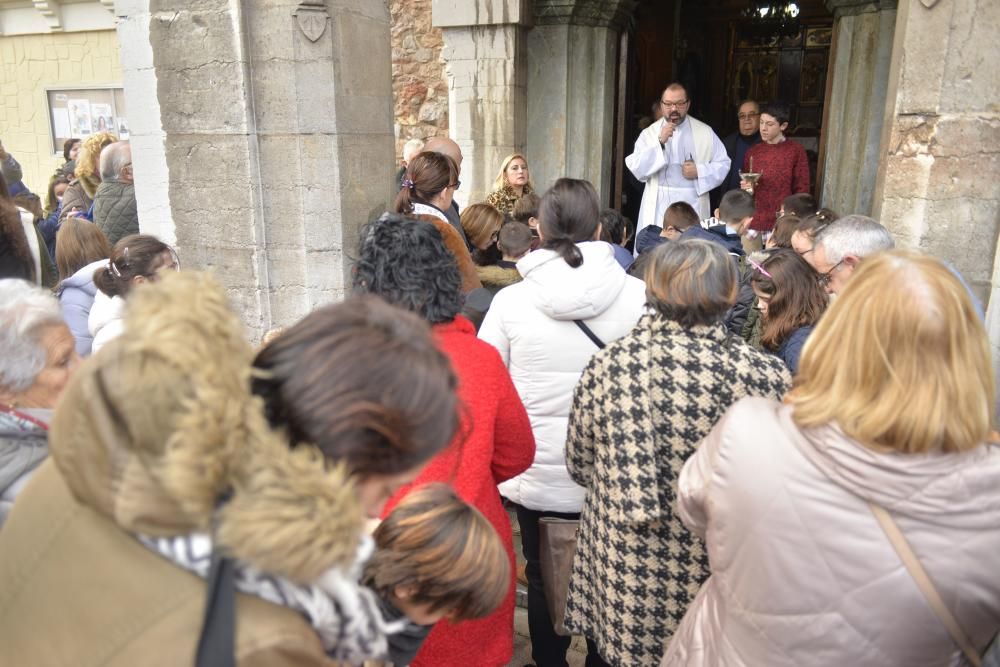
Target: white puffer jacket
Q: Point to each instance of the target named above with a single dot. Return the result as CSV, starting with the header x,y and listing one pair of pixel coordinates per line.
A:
x,y
106,320
802,573
531,324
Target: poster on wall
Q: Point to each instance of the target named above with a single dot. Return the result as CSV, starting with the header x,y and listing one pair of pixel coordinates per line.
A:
x,y
75,113
79,118
102,117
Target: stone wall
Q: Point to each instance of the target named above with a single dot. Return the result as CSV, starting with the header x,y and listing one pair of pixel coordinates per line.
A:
x,y
31,63
274,138
937,187
419,84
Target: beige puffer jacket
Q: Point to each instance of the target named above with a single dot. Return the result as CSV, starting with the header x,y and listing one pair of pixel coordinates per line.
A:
x,y
802,573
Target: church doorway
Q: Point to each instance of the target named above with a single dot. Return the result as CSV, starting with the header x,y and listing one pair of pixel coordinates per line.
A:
x,y
722,56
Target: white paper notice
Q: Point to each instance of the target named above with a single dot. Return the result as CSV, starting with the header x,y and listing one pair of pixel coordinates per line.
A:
x,y
60,122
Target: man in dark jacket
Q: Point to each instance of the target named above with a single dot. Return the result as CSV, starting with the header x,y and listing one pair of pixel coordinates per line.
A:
x,y
737,144
115,210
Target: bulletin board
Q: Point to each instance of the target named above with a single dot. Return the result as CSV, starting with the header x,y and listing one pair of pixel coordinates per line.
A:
x,y
75,113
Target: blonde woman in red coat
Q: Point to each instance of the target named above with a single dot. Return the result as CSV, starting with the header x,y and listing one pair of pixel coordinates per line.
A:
x,y
406,263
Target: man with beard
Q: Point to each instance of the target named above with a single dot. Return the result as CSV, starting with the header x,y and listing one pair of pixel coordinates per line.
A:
x,y
679,158
737,144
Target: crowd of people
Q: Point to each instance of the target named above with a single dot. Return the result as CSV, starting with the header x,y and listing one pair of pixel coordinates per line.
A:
x,y
774,429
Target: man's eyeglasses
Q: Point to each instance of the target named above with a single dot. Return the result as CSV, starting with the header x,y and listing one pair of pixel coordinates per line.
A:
x,y
456,185
747,116
825,278
674,105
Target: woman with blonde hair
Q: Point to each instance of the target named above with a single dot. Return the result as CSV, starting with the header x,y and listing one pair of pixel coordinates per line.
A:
x,y
856,524
512,183
79,196
481,224
81,249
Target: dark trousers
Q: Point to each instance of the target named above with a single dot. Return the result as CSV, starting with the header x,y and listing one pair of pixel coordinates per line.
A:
x,y
548,649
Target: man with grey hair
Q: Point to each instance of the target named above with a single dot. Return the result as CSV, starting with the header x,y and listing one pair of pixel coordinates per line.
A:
x,y
410,150
115,209
843,245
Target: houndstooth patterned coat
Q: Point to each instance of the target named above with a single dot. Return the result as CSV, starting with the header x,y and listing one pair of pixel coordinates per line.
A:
x,y
639,410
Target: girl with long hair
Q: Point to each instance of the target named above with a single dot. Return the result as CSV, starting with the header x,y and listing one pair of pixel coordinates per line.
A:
x,y
791,302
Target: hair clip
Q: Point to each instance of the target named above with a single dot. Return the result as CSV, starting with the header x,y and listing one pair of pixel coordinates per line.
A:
x,y
114,269
760,268
407,183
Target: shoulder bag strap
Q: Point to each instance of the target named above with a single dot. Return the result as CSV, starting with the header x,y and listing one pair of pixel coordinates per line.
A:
x,y
216,643
590,334
926,586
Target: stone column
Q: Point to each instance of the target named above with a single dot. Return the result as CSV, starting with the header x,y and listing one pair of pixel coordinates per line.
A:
x,y
938,187
860,72
274,121
484,48
571,90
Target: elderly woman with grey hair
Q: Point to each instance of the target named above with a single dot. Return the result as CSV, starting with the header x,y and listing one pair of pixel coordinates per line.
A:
x,y
39,354
639,410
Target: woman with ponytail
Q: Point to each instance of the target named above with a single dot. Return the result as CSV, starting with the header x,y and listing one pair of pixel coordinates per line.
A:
x,y
575,297
135,259
426,190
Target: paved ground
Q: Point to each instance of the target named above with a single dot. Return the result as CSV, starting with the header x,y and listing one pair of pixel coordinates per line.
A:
x,y
522,647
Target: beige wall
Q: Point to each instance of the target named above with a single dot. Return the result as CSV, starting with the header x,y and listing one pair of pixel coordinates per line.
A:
x,y
31,63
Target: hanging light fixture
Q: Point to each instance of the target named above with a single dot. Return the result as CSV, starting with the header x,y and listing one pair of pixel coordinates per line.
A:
x,y
764,20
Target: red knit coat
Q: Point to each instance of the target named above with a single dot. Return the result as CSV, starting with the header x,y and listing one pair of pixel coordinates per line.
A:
x,y
498,446
784,170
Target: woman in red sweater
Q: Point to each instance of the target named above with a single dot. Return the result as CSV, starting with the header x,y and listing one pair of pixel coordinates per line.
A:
x,y
406,263
782,165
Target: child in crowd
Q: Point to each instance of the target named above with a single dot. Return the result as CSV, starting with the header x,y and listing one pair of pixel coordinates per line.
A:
x,y
526,211
514,242
791,302
616,229
801,205
436,557
784,227
677,219
804,236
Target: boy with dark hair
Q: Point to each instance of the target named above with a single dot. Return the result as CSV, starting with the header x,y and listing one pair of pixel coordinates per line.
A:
x,y
677,219
616,230
801,205
514,240
526,211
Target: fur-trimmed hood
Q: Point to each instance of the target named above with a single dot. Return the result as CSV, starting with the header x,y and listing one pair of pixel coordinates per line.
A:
x,y
156,429
497,276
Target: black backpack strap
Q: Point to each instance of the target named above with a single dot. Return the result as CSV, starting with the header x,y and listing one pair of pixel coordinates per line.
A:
x,y
590,334
216,645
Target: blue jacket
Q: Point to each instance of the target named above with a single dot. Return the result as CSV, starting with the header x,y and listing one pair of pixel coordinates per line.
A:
x,y
718,234
49,227
791,348
76,296
648,238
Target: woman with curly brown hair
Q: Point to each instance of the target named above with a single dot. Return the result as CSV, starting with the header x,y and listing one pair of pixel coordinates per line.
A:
x,y
791,301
